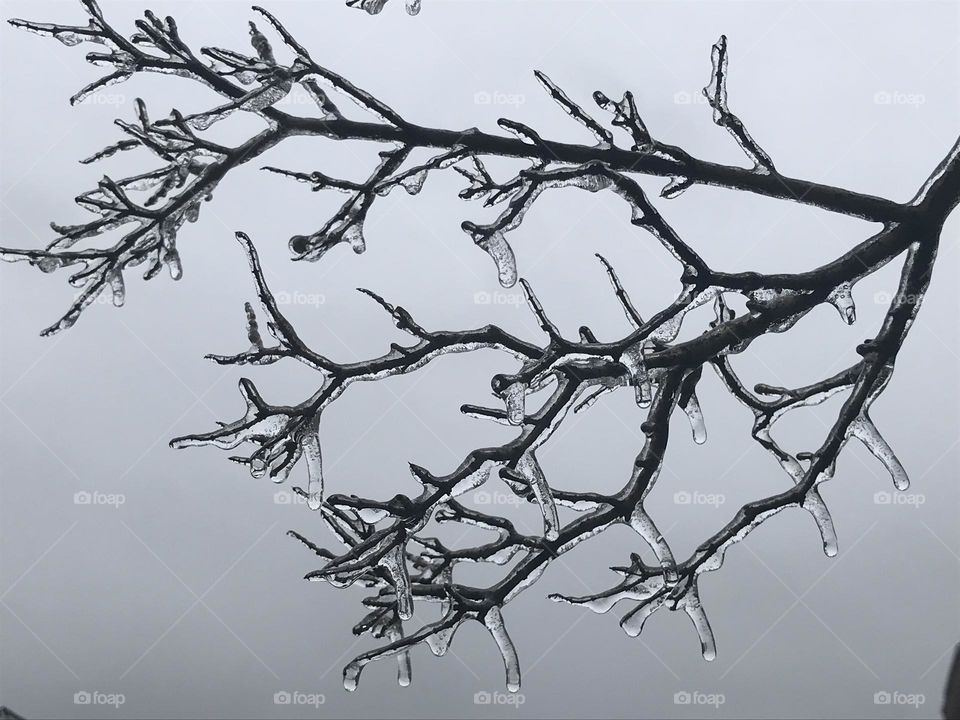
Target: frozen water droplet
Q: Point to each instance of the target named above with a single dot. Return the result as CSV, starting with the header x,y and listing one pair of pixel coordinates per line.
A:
x,y
515,397
354,236
632,359
842,299
117,288
413,184
413,7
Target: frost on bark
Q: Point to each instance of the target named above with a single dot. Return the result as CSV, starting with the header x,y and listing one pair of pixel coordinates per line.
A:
x,y
386,544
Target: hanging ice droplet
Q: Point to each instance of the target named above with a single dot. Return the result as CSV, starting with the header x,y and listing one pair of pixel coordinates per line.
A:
x,y
866,432
632,359
842,299
814,505
496,246
632,623
694,413
644,526
354,236
413,7
395,563
117,288
694,610
413,184
530,468
311,451
515,397
511,663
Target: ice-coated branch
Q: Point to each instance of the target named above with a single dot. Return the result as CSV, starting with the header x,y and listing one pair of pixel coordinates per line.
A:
x,y
387,544
137,219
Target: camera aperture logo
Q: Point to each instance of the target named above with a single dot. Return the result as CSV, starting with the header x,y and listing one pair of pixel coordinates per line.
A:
x,y
499,698
295,697
694,697
100,699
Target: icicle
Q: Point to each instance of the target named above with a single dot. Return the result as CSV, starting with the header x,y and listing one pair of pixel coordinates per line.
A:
x,y
632,623
695,414
632,359
866,432
354,236
515,397
311,450
644,526
496,246
404,670
694,609
395,563
494,622
117,287
842,299
530,468
814,505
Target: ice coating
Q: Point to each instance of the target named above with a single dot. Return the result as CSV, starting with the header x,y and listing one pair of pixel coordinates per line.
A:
x,y
866,432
